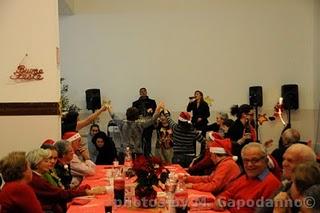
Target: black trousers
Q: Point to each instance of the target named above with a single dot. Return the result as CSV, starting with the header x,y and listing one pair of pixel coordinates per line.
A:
x,y
146,140
182,159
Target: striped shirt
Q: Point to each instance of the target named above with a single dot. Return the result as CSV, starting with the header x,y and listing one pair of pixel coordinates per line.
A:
x,y
184,137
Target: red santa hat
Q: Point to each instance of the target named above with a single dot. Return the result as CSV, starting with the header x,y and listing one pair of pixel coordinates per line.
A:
x,y
71,136
185,117
48,142
219,146
214,135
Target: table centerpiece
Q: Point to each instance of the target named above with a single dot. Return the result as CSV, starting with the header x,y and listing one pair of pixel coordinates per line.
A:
x,y
150,174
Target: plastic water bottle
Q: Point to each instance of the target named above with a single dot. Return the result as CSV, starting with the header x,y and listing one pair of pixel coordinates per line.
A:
x,y
127,159
170,187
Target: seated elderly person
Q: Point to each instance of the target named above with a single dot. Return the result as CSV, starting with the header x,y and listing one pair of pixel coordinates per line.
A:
x,y
289,136
225,172
52,198
51,176
305,176
16,195
62,167
79,168
257,183
294,155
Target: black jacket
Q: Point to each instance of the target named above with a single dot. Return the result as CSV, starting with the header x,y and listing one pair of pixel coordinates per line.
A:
x,y
142,104
199,112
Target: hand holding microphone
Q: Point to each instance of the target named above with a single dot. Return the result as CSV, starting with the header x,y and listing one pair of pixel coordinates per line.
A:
x,y
192,98
280,101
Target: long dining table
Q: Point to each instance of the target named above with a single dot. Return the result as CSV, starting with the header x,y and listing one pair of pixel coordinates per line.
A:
x,y
96,204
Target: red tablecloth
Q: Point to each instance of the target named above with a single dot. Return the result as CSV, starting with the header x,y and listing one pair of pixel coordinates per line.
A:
x,y
95,204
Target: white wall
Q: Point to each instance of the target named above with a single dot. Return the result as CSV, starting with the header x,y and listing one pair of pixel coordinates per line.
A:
x,y
28,26
33,31
173,47
317,70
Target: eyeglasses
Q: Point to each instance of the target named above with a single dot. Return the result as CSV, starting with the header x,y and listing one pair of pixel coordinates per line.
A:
x,y
253,160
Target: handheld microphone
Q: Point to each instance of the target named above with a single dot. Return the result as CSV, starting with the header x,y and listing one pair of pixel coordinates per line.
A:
x,y
191,97
280,101
285,186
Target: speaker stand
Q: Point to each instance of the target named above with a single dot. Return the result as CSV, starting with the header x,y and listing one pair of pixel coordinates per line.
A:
x,y
256,123
289,118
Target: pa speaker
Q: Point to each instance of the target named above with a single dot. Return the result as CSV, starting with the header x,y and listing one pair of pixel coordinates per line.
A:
x,y
255,96
290,95
93,99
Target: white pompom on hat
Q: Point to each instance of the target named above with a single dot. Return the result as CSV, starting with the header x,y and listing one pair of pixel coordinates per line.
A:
x,y
71,136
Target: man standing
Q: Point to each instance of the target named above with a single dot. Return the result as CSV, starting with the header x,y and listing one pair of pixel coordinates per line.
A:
x,y
146,107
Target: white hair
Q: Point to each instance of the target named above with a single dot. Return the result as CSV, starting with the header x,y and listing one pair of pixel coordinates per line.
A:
x,y
35,156
255,145
303,152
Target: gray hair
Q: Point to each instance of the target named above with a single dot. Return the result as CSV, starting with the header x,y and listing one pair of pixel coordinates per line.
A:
x,y
62,147
261,148
223,115
290,136
302,152
13,166
36,156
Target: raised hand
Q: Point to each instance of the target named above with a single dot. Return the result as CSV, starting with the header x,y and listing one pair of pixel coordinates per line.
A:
x,y
160,106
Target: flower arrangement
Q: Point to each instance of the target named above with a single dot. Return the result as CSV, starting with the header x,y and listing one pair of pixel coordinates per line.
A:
x,y
150,173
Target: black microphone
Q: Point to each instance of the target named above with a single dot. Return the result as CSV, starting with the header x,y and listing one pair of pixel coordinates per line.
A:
x,y
285,186
191,97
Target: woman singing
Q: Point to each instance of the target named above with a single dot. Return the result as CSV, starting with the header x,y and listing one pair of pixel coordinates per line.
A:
x,y
200,111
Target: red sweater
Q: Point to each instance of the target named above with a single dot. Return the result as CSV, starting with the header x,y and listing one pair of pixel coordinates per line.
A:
x,y
248,190
51,197
226,171
18,197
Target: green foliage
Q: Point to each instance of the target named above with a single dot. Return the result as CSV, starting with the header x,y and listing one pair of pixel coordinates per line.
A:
x,y
64,99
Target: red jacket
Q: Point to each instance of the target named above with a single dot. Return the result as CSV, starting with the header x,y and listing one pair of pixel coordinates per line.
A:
x,y
51,197
226,171
18,197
